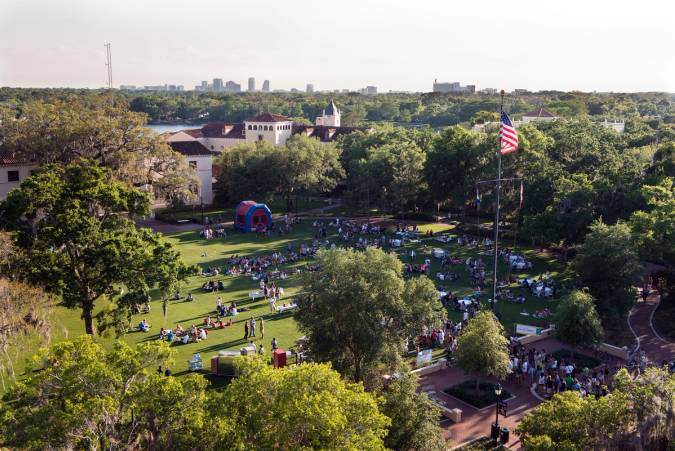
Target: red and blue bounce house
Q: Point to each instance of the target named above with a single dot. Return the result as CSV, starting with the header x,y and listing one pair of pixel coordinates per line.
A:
x,y
250,216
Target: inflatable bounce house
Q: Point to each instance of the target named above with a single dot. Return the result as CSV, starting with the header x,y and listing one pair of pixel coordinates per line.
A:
x,y
250,216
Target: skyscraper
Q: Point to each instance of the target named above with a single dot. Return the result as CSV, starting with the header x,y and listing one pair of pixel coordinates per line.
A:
x,y
231,86
217,84
310,88
251,84
266,86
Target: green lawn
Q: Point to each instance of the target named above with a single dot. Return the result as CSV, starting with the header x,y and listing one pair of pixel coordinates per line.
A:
x,y
196,250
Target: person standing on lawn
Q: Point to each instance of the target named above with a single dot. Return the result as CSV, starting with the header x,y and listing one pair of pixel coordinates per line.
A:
x,y
245,330
262,328
252,328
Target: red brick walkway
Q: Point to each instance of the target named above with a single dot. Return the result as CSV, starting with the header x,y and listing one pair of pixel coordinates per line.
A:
x,y
476,422
640,320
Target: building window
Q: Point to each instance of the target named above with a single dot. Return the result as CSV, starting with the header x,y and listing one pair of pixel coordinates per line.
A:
x,y
12,176
193,164
250,127
260,137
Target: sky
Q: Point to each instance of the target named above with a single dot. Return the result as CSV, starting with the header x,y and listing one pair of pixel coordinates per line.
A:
x,y
589,45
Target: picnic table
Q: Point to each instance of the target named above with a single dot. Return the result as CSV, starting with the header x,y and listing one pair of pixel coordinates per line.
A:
x,y
256,294
285,307
465,302
439,253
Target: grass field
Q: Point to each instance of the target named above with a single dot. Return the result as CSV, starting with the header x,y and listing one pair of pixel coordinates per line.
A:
x,y
196,250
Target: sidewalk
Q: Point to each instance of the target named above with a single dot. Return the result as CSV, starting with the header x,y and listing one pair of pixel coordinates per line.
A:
x,y
640,321
476,422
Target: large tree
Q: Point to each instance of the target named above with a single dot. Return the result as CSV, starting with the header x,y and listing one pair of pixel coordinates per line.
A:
x,y
414,417
357,310
654,229
607,263
482,347
576,320
73,224
74,129
83,396
572,423
303,407
452,165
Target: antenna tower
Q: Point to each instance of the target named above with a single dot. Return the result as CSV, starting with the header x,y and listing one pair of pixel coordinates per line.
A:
x,y
109,66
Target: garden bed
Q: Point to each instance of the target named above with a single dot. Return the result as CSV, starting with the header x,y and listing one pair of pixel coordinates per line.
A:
x,y
485,396
580,360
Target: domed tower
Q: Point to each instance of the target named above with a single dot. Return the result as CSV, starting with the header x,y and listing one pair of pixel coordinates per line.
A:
x,y
330,116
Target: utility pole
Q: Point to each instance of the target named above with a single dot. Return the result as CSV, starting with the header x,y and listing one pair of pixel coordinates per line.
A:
x,y
109,65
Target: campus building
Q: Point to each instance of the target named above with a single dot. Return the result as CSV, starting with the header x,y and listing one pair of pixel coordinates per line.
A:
x,y
199,145
12,172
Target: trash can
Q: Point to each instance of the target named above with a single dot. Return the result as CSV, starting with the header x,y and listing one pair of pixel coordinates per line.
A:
x,y
494,432
504,435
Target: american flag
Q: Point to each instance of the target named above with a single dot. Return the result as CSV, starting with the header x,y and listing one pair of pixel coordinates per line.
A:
x,y
508,136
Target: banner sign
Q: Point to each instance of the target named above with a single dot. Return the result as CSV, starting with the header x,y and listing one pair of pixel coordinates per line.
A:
x,y
524,329
423,358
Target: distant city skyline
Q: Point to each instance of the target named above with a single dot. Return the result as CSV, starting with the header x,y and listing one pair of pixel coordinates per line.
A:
x,y
589,46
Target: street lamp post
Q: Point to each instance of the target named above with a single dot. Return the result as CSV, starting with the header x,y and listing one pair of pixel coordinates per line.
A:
x,y
498,392
201,202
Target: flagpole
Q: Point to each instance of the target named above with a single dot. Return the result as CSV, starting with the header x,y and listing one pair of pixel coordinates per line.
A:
x,y
499,186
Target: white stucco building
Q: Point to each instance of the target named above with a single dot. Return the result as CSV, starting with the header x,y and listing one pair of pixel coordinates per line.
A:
x,y
200,159
12,173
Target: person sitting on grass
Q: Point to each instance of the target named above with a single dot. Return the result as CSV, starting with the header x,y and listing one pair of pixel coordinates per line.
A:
x,y
189,298
143,326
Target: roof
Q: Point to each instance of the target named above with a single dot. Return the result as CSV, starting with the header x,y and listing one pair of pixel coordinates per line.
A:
x,y
10,159
331,109
539,113
268,117
194,132
190,148
324,133
223,130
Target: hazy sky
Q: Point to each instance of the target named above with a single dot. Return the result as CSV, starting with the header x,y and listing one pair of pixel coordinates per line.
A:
x,y
603,45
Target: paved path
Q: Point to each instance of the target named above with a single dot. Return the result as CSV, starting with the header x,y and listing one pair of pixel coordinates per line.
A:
x,y
640,320
476,422
166,227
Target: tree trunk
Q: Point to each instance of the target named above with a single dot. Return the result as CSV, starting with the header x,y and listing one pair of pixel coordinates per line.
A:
x,y
87,315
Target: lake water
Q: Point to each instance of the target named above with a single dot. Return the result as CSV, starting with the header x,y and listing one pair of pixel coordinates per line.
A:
x,y
164,128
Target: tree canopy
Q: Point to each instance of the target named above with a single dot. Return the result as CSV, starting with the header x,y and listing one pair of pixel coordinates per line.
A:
x,y
357,310
304,407
577,322
73,224
93,129
607,263
482,347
